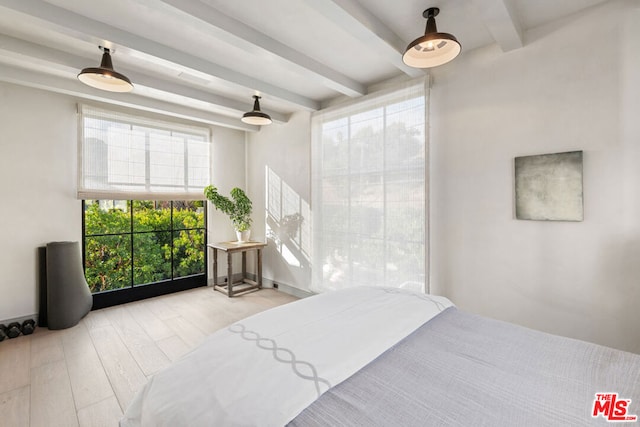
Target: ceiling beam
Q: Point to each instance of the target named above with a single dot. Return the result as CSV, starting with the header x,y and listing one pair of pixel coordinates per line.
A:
x,y
24,77
194,93
65,19
73,63
240,34
353,18
501,20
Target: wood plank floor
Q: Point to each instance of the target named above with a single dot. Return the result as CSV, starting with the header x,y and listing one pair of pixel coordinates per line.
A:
x,y
88,374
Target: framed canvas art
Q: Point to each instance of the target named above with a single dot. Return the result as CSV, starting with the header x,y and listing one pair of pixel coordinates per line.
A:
x,y
548,187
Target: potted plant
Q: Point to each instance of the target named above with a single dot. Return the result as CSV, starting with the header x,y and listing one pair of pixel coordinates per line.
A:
x,y
238,208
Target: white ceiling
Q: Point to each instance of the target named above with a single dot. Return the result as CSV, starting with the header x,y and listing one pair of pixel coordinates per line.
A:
x,y
204,59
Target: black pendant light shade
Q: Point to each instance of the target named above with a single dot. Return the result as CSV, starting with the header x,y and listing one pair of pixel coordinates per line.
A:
x,y
433,48
105,77
256,117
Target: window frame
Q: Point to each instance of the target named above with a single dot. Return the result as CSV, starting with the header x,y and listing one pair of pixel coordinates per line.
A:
x,y
134,292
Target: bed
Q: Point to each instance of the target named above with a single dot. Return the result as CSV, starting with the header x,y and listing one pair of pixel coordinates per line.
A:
x,y
387,357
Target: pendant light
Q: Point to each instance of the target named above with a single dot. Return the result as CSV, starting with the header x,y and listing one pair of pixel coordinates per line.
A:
x,y
105,77
256,117
433,48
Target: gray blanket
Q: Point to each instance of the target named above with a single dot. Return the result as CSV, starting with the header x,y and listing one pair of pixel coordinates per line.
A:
x,y
464,370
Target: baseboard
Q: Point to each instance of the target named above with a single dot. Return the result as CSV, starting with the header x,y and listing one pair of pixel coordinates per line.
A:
x,y
287,289
236,278
19,319
267,283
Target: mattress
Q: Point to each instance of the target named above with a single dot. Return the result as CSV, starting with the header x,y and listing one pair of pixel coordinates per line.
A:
x,y
379,356
465,370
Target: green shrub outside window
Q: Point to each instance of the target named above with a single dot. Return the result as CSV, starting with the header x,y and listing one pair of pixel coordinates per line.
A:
x,y
129,243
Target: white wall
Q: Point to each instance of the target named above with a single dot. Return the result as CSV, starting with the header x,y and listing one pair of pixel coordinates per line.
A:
x,y
38,146
227,172
38,135
570,88
574,86
286,151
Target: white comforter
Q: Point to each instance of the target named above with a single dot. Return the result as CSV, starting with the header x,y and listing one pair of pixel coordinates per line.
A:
x,y
264,370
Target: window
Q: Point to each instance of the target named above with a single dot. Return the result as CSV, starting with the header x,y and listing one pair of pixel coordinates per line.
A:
x,y
141,180
134,242
369,192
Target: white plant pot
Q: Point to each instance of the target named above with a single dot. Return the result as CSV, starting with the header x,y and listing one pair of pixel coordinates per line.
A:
x,y
243,236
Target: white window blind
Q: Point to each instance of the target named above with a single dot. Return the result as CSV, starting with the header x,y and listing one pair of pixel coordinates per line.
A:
x,y
370,192
123,156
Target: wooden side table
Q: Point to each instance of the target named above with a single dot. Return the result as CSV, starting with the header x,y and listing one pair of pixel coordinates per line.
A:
x,y
245,284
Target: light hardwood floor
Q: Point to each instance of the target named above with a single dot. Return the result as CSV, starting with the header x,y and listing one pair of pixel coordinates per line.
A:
x,y
88,374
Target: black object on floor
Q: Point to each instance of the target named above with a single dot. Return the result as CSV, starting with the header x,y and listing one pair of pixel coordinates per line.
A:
x,y
68,295
28,326
13,330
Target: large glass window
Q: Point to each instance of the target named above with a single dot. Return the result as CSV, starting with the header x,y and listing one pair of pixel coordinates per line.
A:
x,y
370,192
128,243
141,178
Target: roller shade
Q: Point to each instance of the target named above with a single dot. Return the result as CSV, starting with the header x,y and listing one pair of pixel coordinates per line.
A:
x,y
124,156
369,187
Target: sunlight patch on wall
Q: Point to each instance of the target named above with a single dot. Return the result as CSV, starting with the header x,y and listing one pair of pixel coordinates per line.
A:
x,y
288,221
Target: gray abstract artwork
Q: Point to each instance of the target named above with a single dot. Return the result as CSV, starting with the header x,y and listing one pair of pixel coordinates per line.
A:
x,y
549,187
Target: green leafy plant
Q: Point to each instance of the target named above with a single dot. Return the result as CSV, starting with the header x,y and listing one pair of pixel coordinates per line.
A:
x,y
238,208
137,243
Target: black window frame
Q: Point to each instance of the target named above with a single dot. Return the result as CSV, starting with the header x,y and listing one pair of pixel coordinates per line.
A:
x,y
138,292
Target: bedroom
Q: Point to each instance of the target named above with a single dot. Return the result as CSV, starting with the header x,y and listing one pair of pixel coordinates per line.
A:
x,y
486,107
